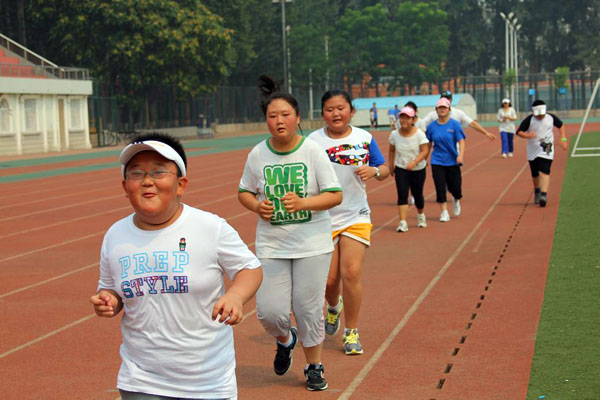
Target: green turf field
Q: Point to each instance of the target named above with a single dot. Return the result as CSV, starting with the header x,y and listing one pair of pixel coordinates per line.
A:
x,y
566,363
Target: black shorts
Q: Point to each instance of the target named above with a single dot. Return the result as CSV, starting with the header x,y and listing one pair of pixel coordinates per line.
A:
x,y
538,165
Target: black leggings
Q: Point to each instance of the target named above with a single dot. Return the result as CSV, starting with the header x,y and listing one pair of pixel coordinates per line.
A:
x,y
414,180
447,178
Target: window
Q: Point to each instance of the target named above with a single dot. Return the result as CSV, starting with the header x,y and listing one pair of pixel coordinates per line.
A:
x,y
75,111
4,116
31,124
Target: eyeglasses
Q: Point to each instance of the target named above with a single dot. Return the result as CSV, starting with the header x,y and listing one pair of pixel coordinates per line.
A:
x,y
138,174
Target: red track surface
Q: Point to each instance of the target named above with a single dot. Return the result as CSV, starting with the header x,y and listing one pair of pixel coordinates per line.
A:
x,y
449,312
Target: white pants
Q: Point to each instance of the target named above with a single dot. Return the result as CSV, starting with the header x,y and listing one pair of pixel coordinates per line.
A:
x,y
296,284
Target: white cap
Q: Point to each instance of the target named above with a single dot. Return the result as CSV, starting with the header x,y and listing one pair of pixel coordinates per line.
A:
x,y
505,100
539,110
153,145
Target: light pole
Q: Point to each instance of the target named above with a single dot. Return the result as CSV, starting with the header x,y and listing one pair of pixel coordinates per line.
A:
x,y
510,50
506,53
284,41
516,60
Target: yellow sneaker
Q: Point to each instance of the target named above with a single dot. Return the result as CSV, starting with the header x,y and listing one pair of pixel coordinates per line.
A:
x,y
352,345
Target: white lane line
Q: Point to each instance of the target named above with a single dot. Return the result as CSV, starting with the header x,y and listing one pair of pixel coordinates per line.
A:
x,y
98,233
115,196
47,280
46,336
480,241
415,306
50,247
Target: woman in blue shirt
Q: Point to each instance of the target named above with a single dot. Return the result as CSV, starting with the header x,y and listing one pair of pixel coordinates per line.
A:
x,y
448,141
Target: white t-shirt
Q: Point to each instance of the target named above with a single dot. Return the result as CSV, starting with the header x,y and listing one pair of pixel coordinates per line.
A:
x,y
305,170
346,155
169,281
408,148
455,113
542,145
507,125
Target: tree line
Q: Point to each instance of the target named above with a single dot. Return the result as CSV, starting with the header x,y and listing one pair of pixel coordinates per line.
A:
x,y
134,47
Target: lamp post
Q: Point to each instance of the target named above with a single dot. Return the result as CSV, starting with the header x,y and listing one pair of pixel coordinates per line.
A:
x,y
286,78
516,60
510,50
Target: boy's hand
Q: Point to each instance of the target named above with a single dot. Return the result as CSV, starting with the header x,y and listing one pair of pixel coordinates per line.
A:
x,y
229,307
105,304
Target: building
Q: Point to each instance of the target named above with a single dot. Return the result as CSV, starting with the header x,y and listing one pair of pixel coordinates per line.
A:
x,y
43,107
462,101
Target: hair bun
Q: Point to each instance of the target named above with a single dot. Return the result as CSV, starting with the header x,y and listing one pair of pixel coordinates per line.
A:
x,y
267,85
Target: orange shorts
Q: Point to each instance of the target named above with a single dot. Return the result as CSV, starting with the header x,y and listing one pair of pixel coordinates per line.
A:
x,y
360,232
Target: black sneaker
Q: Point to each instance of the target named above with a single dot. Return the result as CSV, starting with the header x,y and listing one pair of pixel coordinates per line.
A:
x,y
536,198
315,377
283,357
543,200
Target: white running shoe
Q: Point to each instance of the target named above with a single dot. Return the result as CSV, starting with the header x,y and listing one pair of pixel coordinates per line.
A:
x,y
445,217
456,207
503,155
421,221
402,227
510,155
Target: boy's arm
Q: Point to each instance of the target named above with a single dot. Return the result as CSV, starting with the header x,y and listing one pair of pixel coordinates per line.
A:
x,y
563,138
230,305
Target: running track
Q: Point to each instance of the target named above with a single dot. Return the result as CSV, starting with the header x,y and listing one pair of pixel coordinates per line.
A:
x,y
449,311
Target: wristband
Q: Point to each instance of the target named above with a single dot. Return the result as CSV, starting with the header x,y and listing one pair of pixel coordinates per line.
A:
x,y
564,139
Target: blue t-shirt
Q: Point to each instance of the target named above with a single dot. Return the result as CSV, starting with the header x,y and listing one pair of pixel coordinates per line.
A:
x,y
444,138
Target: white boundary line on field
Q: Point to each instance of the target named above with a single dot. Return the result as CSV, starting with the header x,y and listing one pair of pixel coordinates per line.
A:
x,y
362,374
585,117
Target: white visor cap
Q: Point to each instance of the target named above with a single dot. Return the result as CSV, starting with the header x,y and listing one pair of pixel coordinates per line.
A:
x,y
152,145
539,110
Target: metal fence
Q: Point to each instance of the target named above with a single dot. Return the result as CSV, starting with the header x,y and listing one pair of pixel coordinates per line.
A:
x,y
241,104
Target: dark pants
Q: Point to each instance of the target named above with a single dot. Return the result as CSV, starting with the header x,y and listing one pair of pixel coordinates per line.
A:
x,y
538,165
447,178
415,180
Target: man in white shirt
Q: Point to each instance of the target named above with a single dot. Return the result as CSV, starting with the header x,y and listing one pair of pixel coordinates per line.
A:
x,y
460,116
538,128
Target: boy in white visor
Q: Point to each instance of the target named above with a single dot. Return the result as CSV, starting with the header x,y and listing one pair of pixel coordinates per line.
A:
x,y
164,266
538,128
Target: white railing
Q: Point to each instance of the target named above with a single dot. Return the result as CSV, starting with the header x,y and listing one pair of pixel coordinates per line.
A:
x,y
41,66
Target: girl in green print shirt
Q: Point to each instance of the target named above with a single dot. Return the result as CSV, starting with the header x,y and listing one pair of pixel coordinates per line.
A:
x,y
289,182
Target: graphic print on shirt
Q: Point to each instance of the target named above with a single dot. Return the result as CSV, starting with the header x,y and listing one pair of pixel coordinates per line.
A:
x,y
347,154
143,273
281,179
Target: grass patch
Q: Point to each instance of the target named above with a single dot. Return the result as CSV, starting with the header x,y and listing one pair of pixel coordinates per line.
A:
x,y
566,362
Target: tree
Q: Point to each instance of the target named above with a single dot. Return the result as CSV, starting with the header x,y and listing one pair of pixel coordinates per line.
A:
x,y
469,34
256,38
311,23
359,45
419,43
136,45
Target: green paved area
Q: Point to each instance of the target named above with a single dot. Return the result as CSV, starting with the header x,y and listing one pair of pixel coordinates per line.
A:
x,y
566,362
